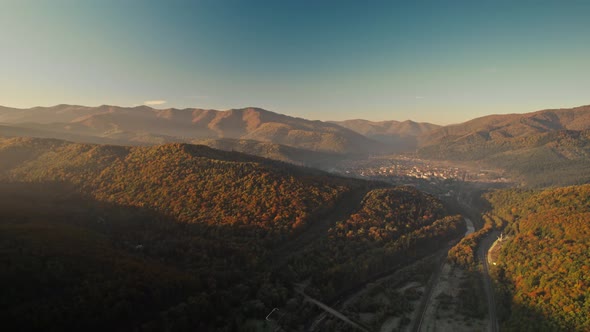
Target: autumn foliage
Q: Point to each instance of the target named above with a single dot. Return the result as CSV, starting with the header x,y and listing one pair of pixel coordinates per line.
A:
x,y
544,269
181,237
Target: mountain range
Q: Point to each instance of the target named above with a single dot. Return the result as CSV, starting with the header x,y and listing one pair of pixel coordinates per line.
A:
x,y
547,140
145,125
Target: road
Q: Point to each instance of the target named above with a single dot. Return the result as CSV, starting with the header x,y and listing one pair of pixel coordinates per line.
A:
x,y
421,313
349,298
333,311
482,254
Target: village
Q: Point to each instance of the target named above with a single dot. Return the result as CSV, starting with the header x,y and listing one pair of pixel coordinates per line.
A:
x,y
407,169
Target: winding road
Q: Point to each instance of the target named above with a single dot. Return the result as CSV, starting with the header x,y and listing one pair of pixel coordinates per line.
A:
x,y
482,254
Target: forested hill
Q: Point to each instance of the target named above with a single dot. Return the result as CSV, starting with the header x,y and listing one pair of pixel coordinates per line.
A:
x,y
544,148
543,269
183,237
191,183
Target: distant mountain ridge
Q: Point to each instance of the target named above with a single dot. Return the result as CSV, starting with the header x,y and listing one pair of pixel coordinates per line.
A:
x,y
402,128
147,125
548,147
514,125
555,136
404,135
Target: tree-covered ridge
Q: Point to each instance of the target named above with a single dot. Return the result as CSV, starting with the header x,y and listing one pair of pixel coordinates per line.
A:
x,y
386,214
545,265
191,183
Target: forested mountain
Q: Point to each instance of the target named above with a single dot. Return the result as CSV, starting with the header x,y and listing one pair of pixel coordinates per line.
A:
x,y
543,269
145,125
227,187
210,240
542,148
513,125
402,136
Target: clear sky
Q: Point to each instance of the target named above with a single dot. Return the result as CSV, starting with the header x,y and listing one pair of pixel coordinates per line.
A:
x,y
436,61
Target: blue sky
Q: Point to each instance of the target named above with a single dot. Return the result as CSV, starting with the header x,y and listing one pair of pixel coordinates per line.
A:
x,y
434,61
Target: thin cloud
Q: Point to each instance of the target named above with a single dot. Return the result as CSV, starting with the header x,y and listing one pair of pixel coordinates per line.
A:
x,y
154,102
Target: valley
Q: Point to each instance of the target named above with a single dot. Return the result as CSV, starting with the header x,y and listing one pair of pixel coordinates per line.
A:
x,y
294,166
236,231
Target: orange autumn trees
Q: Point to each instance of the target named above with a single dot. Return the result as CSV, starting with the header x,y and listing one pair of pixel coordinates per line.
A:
x,y
210,239
543,267
391,227
386,214
193,184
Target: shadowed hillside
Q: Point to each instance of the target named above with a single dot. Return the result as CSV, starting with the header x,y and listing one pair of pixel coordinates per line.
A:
x,y
212,240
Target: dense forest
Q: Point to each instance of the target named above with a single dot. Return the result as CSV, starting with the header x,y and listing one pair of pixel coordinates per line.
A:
x,y
181,237
393,226
543,271
190,183
74,264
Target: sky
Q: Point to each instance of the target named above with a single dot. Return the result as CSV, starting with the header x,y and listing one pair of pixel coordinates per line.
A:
x,y
435,61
